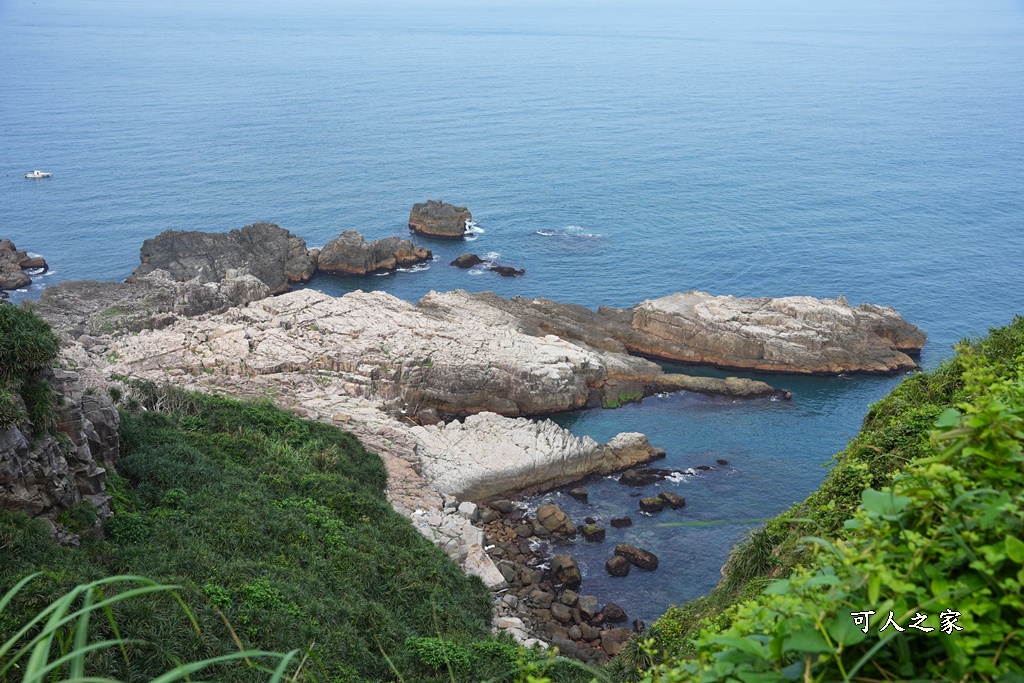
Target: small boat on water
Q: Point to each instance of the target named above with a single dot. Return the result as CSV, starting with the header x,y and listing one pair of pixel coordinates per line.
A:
x,y
38,174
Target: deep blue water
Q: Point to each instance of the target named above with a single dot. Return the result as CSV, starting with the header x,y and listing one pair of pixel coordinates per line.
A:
x,y
873,150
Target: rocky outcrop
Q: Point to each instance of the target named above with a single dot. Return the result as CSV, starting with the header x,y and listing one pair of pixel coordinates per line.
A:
x,y
14,263
152,301
266,251
42,475
434,218
796,334
467,261
486,456
351,254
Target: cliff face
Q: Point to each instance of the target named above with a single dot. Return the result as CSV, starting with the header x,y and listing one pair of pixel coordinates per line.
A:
x,y
43,475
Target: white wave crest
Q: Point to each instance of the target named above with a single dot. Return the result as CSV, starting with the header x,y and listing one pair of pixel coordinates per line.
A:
x,y
568,231
492,256
473,228
419,267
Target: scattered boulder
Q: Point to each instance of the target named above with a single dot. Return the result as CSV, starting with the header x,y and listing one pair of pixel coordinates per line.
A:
x,y
555,521
434,218
652,504
351,254
566,571
507,271
617,566
722,462
673,500
580,494
265,250
569,598
643,559
592,533
613,640
467,261
561,613
640,477
621,522
588,607
613,613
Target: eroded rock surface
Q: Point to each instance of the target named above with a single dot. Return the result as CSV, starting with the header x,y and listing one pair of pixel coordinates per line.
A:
x,y
42,475
434,218
264,250
13,266
488,455
797,334
351,254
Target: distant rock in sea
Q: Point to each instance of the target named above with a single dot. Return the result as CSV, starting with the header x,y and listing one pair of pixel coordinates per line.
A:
x,y
14,263
434,218
351,254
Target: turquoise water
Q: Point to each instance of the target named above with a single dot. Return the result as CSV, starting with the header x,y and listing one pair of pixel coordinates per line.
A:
x,y
617,154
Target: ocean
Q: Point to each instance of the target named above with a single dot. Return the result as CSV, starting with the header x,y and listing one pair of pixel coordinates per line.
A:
x,y
616,151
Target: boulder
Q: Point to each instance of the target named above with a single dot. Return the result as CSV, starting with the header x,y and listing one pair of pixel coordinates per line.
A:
x,y
640,477
434,218
673,500
264,250
581,494
652,504
566,571
507,271
555,521
587,605
561,613
638,557
351,254
617,566
621,522
613,613
467,261
593,533
614,639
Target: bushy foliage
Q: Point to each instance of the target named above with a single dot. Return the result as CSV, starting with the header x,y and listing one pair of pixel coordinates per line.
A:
x,y
27,343
27,346
272,524
895,432
943,541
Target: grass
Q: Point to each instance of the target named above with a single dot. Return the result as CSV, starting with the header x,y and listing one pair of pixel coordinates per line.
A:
x,y
276,525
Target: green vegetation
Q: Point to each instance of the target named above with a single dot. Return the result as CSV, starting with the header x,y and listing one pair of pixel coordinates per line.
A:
x,y
923,513
272,524
27,347
620,399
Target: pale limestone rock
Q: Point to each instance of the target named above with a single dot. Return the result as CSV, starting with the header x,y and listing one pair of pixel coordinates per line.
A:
x,y
487,455
798,334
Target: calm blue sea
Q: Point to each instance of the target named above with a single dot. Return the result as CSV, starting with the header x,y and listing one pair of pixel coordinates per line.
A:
x,y
616,151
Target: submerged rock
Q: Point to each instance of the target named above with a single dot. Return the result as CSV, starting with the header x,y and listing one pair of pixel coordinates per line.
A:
x,y
507,271
434,218
351,254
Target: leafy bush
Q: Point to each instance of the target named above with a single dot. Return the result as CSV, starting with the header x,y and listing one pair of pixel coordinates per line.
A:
x,y
940,549
11,411
27,343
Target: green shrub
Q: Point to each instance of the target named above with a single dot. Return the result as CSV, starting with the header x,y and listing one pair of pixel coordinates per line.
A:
x,y
79,518
437,655
27,343
944,538
11,412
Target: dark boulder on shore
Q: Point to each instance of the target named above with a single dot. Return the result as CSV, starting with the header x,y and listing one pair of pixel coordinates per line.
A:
x,y
566,571
467,261
351,254
434,218
617,566
265,250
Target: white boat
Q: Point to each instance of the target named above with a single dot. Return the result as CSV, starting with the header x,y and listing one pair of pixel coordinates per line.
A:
x,y
38,174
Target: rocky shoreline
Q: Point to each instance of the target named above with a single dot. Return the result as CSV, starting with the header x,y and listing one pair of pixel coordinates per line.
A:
x,y
441,389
